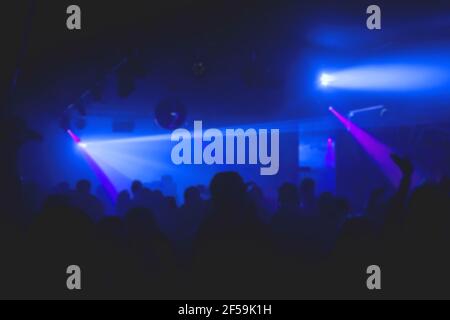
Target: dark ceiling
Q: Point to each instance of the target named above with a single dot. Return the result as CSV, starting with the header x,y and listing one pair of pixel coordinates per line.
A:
x,y
226,35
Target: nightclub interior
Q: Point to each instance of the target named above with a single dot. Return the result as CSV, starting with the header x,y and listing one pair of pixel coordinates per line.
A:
x,y
225,150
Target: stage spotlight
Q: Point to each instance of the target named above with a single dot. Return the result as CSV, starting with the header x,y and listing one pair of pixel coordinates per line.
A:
x,y
326,79
388,77
102,177
74,137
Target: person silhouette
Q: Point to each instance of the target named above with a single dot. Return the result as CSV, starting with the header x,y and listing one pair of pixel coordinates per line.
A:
x,y
87,202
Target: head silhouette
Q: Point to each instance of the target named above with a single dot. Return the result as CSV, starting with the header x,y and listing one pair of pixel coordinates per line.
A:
x,y
123,196
192,196
327,205
428,209
171,202
308,188
141,223
83,186
136,187
227,190
288,195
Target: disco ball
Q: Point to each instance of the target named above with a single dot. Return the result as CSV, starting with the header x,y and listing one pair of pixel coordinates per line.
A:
x,y
170,114
198,69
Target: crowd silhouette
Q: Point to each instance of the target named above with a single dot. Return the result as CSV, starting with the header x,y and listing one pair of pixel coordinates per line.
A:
x,y
225,242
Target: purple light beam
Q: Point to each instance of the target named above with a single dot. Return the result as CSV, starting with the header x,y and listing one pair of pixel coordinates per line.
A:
x,y
330,157
379,152
101,176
